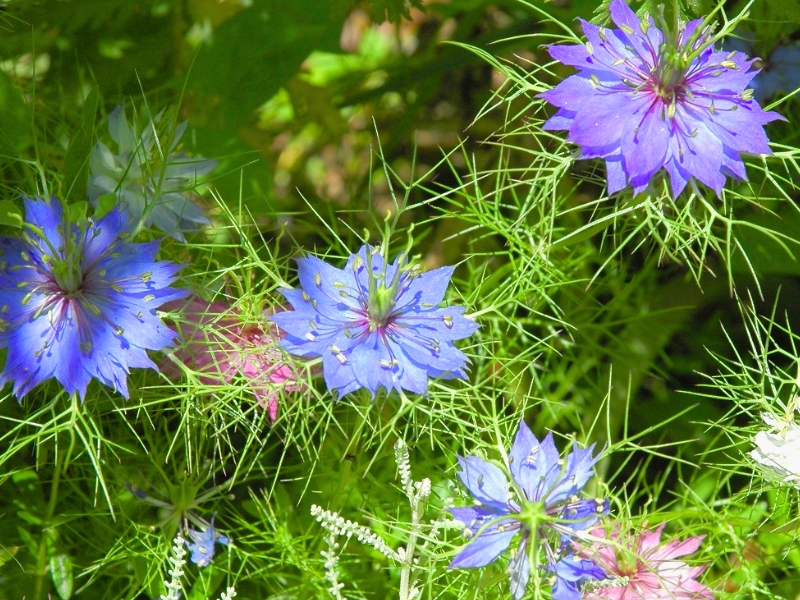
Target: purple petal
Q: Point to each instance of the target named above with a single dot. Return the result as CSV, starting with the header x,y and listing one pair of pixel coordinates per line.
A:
x,y
486,482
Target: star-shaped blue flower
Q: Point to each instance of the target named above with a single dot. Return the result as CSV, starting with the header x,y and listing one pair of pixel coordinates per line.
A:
x,y
646,99
82,305
375,324
543,511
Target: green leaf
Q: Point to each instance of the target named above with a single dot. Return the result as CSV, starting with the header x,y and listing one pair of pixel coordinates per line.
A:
x,y
77,211
14,127
254,53
30,543
29,517
10,214
61,572
6,554
104,204
76,164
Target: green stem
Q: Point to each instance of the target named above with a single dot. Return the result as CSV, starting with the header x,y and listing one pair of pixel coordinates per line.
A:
x,y
62,460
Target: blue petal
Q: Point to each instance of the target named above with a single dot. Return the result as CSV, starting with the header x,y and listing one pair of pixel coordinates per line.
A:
x,y
425,288
486,482
570,572
520,570
540,470
579,468
483,550
334,289
580,516
444,324
47,216
524,451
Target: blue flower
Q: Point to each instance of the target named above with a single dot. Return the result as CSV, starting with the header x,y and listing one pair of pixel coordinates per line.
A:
x,y
542,511
203,547
780,72
375,324
81,305
646,99
148,177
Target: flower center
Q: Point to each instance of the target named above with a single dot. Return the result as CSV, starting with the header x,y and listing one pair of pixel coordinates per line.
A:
x,y
68,277
627,562
533,514
380,306
669,76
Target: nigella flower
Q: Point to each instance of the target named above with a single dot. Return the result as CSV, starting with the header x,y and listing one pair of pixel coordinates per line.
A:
x,y
778,450
646,99
148,177
220,345
542,507
640,567
375,324
78,303
202,544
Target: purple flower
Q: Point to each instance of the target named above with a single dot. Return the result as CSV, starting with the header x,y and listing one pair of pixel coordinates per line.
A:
x,y
203,547
81,305
543,508
644,99
375,324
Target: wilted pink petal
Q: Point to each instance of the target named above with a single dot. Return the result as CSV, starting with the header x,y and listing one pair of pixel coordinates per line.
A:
x,y
219,345
642,568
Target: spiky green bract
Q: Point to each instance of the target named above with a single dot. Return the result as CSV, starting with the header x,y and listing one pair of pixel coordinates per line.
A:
x,y
80,305
544,502
375,324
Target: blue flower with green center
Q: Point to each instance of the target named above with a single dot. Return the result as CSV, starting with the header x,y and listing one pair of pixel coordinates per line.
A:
x,y
540,508
375,324
646,99
78,303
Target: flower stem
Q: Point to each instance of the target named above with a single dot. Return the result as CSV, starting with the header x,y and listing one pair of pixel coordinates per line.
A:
x,y
62,461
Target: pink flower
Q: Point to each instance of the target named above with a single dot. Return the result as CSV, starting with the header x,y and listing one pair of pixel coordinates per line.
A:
x,y
219,345
642,568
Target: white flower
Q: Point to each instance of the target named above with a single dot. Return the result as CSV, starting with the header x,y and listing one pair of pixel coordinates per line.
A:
x,y
147,176
778,450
